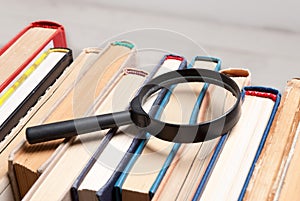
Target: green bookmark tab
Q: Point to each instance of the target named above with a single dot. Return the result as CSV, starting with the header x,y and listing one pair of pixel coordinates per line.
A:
x,y
123,43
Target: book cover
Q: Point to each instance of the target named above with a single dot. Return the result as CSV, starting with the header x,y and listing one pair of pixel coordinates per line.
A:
x,y
99,72
170,149
85,145
190,161
56,38
106,191
275,176
38,113
10,117
251,132
49,68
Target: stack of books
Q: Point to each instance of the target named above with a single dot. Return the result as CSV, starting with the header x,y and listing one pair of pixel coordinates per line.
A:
x,y
40,83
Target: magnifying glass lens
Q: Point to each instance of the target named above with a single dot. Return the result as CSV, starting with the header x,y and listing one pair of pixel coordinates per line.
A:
x,y
189,103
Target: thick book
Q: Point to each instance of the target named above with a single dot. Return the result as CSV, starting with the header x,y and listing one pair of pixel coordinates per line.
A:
x,y
84,186
188,166
276,176
93,71
39,81
152,158
55,183
25,47
27,89
233,162
18,55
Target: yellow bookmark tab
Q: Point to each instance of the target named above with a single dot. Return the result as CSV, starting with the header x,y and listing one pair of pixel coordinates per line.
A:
x,y
27,73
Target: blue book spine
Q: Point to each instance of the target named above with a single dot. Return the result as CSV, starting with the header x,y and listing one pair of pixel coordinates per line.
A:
x,y
222,141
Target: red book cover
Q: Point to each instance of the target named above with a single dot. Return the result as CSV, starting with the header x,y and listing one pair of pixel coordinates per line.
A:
x,y
58,39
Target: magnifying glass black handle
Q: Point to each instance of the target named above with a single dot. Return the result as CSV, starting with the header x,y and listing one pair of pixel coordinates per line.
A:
x,y
70,128
179,133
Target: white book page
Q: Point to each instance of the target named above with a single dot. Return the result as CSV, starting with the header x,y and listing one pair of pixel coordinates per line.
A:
x,y
235,160
29,84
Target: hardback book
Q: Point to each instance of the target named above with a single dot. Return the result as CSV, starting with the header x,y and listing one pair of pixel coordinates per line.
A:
x,y
48,187
152,158
18,98
39,80
92,72
25,47
119,144
190,162
276,173
16,60
229,169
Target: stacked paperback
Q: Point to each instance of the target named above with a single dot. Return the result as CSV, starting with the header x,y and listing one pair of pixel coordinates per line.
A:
x,y
40,83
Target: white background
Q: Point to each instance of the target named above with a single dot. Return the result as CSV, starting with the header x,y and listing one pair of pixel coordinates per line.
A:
x,y
263,36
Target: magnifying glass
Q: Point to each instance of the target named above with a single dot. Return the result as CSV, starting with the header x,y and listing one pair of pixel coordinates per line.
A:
x,y
136,115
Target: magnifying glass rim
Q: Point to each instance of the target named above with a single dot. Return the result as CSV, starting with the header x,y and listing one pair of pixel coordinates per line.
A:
x,y
205,130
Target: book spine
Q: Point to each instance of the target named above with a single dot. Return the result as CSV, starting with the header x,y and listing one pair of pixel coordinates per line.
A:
x,y
232,72
274,95
193,119
45,24
264,92
128,67
58,39
119,176
39,90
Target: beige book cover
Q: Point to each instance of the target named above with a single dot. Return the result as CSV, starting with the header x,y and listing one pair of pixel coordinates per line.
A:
x,y
56,57
17,56
275,176
85,87
147,167
57,179
191,161
103,166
